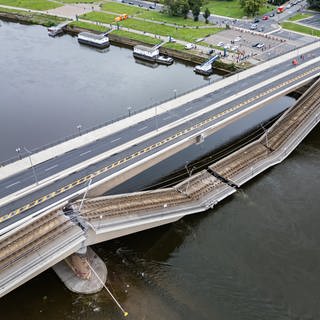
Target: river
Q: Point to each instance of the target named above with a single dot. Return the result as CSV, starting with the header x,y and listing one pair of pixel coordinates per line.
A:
x,y
254,256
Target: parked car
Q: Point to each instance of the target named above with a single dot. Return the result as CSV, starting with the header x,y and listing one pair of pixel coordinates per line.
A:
x,y
253,26
261,29
237,39
220,44
189,46
152,7
234,48
171,39
272,14
265,18
260,45
255,45
256,20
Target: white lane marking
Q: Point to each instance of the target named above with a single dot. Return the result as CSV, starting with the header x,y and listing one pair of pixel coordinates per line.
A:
x,y
188,109
115,140
167,118
143,128
12,184
50,168
84,153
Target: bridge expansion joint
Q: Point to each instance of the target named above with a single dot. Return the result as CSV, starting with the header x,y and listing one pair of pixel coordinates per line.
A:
x,y
223,179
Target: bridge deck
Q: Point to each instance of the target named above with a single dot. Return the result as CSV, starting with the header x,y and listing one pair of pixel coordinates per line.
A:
x,y
52,237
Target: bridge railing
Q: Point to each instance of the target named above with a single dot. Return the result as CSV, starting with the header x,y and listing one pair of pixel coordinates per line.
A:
x,y
72,136
90,129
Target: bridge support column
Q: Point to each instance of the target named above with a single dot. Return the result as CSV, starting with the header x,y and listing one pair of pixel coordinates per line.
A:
x,y
82,272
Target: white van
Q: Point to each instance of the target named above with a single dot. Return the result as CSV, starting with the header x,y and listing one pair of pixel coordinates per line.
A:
x,y
189,46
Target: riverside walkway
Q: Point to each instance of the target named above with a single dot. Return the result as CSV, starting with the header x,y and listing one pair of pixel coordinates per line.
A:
x,y
57,233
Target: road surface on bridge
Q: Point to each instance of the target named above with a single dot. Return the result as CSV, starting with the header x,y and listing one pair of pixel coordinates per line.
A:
x,y
73,183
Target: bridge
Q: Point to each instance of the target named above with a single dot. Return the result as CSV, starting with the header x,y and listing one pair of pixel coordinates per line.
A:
x,y
40,234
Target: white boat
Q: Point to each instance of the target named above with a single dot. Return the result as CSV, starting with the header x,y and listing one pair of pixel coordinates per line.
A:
x,y
206,68
54,31
146,53
164,60
96,40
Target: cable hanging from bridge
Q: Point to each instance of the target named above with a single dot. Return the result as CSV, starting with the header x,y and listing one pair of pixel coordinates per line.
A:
x,y
125,313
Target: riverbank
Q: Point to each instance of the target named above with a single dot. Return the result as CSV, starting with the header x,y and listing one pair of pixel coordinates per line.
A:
x,y
174,50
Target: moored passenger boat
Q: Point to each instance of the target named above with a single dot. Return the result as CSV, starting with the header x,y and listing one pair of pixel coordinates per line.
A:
x,y
54,31
96,40
146,53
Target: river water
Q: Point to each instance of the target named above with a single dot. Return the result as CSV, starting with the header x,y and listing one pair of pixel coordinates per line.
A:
x,y
254,256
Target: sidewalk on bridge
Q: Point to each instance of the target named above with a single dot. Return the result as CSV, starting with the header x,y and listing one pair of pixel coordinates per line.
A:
x,y
42,156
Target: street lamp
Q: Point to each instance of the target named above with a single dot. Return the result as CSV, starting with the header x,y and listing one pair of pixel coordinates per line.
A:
x,y
155,117
31,164
175,93
79,127
129,111
18,151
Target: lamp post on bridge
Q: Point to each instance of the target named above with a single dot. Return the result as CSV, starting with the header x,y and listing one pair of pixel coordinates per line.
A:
x,y
31,163
175,93
79,127
18,150
129,111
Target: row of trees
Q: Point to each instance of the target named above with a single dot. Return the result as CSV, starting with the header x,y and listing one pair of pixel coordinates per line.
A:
x,y
181,8
314,4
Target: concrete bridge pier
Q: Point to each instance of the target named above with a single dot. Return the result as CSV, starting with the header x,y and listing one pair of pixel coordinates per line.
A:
x,y
82,272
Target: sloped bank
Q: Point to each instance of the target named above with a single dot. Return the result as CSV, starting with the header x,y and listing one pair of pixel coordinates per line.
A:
x,y
186,56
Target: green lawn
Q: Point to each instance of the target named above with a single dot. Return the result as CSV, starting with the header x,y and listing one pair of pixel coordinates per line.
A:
x,y
98,16
299,28
36,18
230,8
78,1
31,4
121,8
189,35
135,36
175,46
89,26
163,17
299,16
148,14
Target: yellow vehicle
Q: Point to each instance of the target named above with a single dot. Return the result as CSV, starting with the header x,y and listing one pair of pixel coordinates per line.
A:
x,y
121,17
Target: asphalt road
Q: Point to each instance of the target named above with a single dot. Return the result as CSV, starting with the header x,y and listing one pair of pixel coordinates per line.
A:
x,y
73,157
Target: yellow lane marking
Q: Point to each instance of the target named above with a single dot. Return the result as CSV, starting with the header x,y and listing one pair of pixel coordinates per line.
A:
x,y
149,148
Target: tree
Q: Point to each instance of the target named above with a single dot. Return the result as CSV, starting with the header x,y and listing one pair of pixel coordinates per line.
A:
x,y
314,4
251,7
179,8
183,8
206,14
195,12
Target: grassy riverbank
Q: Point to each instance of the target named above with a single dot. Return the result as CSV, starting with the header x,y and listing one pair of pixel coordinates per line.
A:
x,y
31,4
30,17
186,34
